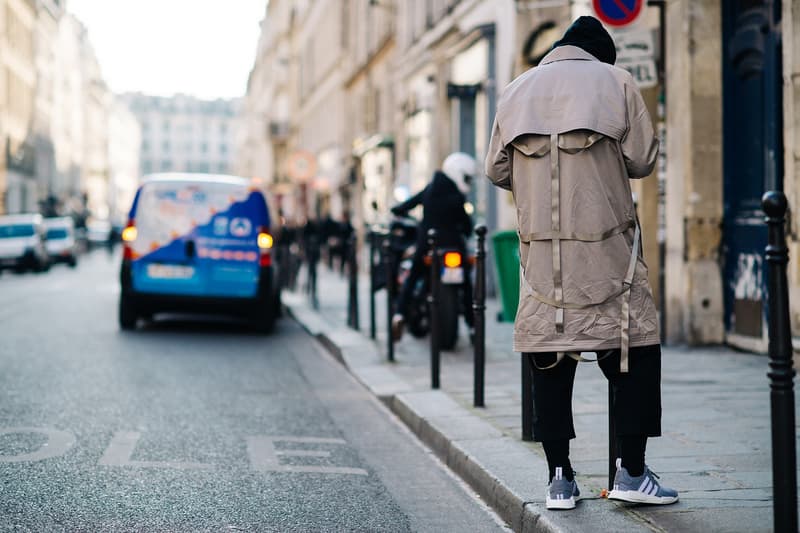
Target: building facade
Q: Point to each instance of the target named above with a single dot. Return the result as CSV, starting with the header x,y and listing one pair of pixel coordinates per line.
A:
x,y
184,134
17,97
124,143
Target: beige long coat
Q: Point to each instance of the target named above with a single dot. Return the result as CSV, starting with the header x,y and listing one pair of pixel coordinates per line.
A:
x,y
577,206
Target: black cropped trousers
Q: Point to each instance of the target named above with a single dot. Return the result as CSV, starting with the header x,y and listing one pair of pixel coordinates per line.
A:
x,y
636,394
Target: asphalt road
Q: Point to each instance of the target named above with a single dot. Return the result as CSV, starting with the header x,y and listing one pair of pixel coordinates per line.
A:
x,y
187,425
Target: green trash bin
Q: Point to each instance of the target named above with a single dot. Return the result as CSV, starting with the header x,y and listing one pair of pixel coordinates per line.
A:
x,y
505,245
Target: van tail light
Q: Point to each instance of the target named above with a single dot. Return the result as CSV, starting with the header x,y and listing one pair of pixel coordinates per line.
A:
x,y
265,242
129,235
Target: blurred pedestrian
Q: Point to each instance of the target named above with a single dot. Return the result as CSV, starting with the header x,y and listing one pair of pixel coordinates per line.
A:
x,y
568,135
346,231
312,238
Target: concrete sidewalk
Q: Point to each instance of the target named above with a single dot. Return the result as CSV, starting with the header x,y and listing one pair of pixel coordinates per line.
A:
x,y
715,449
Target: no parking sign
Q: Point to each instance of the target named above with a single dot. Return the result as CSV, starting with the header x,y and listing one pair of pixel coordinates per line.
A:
x,y
618,13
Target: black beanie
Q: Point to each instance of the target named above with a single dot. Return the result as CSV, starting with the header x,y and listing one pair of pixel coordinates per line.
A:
x,y
589,34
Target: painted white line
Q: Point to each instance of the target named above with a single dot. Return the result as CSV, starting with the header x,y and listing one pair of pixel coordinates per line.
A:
x,y
121,448
58,443
264,457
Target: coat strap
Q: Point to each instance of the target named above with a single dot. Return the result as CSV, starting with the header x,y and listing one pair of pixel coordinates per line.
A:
x,y
577,236
555,215
625,318
568,305
590,140
572,355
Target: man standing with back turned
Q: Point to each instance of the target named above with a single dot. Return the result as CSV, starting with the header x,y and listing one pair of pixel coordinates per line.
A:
x,y
567,137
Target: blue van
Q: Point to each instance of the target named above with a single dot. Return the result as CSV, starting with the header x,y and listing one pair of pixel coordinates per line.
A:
x,y
199,243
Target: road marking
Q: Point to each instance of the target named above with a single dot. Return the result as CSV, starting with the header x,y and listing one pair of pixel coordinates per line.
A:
x,y
264,457
120,450
57,444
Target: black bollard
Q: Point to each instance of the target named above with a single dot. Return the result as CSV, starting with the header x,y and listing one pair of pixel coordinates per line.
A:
x,y
613,450
479,316
388,263
313,262
527,398
781,374
373,239
352,267
433,309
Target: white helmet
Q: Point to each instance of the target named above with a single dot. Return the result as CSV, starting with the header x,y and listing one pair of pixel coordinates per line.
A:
x,y
461,168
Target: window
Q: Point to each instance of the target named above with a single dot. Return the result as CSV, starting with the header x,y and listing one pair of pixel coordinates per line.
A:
x,y
223,128
223,148
165,146
145,146
203,148
147,167
166,165
222,168
166,125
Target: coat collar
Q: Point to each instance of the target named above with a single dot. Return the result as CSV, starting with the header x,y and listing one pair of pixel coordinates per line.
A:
x,y
567,52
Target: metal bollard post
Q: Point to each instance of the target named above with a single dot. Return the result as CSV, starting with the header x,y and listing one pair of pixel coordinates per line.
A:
x,y
433,309
352,264
613,450
373,237
781,374
527,398
479,316
387,255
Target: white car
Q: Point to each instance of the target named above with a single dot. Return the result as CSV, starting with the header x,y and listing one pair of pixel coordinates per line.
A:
x,y
98,233
22,243
60,240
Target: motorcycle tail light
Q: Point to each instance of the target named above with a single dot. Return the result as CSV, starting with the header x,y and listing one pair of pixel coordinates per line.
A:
x,y
452,259
428,260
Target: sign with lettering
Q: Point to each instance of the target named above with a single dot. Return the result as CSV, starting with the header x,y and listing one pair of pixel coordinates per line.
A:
x,y
635,53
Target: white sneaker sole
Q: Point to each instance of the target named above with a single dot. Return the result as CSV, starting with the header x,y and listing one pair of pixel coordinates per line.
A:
x,y
560,504
634,496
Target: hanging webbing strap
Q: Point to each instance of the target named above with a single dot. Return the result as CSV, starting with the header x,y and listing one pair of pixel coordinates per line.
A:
x,y
625,319
555,214
572,355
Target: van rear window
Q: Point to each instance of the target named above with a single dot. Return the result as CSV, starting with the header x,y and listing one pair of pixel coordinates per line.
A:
x,y
168,210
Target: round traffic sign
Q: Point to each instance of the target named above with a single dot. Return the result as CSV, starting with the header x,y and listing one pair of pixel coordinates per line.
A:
x,y
618,13
301,165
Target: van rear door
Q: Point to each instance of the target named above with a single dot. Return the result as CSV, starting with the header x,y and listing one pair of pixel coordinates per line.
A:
x,y
197,238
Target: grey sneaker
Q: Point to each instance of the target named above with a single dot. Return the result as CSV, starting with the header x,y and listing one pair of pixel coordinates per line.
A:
x,y
562,493
641,489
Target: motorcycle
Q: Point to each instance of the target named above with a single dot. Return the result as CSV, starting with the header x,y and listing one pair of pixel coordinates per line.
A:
x,y
452,262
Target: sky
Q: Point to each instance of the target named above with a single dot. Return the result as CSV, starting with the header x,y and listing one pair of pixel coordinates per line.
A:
x,y
204,48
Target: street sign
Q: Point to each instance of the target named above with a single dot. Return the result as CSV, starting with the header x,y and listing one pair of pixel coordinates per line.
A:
x,y
301,166
635,53
618,13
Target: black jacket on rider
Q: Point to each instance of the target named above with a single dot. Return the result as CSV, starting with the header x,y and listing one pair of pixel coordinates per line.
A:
x,y
443,210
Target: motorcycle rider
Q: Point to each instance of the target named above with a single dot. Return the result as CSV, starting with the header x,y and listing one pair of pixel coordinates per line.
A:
x,y
443,207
